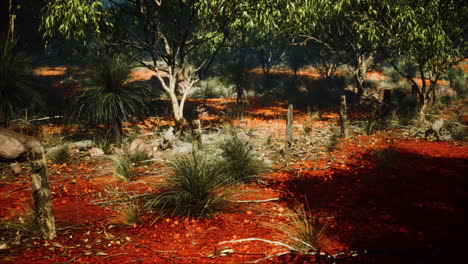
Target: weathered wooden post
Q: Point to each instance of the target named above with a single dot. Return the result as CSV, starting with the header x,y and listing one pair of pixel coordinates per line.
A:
x,y
197,133
41,192
344,117
289,131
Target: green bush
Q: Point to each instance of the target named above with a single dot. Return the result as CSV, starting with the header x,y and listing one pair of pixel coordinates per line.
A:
x,y
240,162
211,88
196,189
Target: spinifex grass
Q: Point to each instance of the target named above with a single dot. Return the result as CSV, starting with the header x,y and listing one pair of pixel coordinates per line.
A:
x,y
240,161
198,188
123,167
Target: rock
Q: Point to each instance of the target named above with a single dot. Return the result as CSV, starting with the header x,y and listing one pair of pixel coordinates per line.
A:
x,y
119,151
94,152
138,145
16,168
169,135
13,145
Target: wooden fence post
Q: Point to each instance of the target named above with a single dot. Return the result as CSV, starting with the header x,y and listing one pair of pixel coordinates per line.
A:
x,y
197,133
289,131
41,193
344,117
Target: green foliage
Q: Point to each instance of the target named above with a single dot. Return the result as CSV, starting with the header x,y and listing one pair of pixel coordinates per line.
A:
x,y
110,97
138,156
196,189
61,155
211,88
15,80
102,141
123,167
404,106
240,160
73,20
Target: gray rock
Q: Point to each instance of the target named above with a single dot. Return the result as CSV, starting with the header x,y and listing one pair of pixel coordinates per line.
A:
x,y
94,152
13,145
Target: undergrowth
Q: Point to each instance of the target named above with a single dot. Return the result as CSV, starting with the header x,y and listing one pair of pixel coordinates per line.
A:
x,y
197,188
123,167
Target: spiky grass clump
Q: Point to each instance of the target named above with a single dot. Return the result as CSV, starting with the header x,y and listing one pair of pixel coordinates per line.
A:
x,y
123,167
102,141
138,156
131,212
304,231
384,158
24,223
331,143
240,161
194,190
61,155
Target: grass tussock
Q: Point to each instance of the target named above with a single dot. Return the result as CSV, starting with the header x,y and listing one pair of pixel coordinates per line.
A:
x,y
103,141
197,188
305,232
385,158
61,155
131,212
123,167
240,161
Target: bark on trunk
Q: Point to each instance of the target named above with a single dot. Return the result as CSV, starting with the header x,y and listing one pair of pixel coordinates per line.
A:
x,y
41,193
344,117
197,133
117,131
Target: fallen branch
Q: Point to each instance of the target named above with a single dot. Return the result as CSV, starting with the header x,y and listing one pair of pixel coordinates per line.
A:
x,y
270,256
257,239
257,201
116,255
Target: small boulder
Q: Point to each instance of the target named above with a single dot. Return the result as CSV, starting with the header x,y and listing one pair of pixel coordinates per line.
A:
x,y
94,152
138,145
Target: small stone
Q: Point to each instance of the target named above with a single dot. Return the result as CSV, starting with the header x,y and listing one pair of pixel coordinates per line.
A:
x,y
94,152
16,168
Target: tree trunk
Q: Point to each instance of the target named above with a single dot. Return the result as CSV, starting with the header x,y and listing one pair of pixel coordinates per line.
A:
x,y
344,117
41,193
289,131
117,131
197,133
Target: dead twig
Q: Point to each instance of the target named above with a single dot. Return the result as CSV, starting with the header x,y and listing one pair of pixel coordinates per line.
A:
x,y
116,255
257,201
257,239
270,256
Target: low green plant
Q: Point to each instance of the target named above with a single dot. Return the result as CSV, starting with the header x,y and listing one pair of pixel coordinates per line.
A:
x,y
24,223
384,158
212,88
102,141
196,189
138,156
61,155
123,167
240,161
305,232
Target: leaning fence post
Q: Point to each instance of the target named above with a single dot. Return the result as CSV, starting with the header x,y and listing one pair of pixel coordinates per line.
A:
x,y
343,117
289,131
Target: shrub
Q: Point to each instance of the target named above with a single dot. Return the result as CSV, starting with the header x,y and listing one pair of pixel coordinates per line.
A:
x,y
240,162
212,88
331,143
61,155
194,190
123,167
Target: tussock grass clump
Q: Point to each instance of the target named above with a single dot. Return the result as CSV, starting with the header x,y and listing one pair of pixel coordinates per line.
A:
x,y
138,156
240,162
102,141
61,155
384,158
123,167
196,189
305,232
24,223
131,212
331,143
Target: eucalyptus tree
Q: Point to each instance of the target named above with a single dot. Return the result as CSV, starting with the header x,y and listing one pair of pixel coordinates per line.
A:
x,y
431,34
167,31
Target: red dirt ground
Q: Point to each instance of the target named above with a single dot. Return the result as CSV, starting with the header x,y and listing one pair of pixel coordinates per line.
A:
x,y
410,212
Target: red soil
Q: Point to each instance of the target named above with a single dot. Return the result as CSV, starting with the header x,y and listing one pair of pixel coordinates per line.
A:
x,y
410,212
